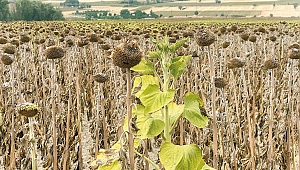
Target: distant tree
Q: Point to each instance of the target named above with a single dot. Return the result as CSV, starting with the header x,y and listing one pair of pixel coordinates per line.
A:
x,y
196,12
139,14
274,4
4,10
295,5
153,15
36,11
180,7
125,13
271,15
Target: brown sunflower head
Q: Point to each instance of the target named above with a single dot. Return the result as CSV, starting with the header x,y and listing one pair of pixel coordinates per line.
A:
x,y
7,59
54,52
205,37
24,38
225,44
252,38
100,77
93,37
28,109
244,36
220,82
9,48
127,54
235,63
270,63
3,40
294,53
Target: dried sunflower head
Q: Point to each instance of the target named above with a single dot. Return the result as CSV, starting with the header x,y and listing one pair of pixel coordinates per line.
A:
x,y
244,36
28,109
54,52
100,77
252,38
235,63
7,59
294,53
24,38
3,40
225,44
9,48
270,63
127,54
220,82
204,37
93,37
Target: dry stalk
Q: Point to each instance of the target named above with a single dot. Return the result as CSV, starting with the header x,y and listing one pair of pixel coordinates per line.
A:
x,y
105,134
53,110
271,112
129,115
12,145
66,157
213,104
78,103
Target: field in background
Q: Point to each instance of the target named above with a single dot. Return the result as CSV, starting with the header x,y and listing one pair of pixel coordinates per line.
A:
x,y
206,8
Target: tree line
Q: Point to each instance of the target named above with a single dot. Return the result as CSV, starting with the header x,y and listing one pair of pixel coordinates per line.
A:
x,y
29,11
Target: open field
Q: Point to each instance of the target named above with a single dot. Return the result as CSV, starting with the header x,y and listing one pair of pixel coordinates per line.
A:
x,y
246,8
247,77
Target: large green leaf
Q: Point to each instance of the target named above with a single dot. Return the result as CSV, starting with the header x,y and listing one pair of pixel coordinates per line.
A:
x,y
153,99
150,125
178,65
145,80
144,67
175,112
192,111
177,45
107,160
186,157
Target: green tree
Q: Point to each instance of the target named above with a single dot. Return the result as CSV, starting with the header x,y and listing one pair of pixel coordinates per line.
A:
x,y
4,10
196,12
139,14
153,15
125,13
180,7
36,11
